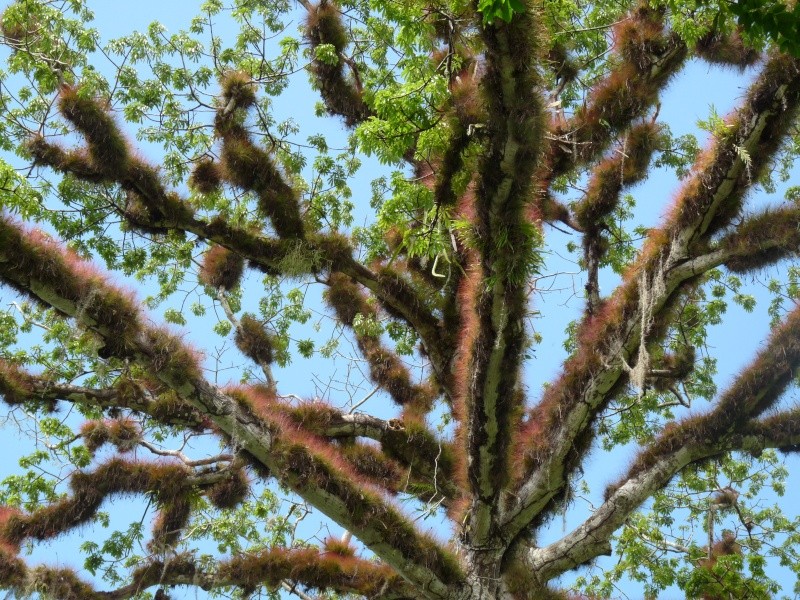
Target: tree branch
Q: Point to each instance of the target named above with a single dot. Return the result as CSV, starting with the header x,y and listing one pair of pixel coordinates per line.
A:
x,y
495,297
168,483
559,428
592,538
18,386
627,165
54,277
426,460
649,56
385,367
760,240
731,425
308,567
341,97
151,208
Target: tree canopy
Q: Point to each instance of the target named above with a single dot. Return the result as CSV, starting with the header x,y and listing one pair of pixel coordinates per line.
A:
x,y
175,254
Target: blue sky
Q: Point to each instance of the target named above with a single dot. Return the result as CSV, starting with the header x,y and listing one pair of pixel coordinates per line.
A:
x,y
688,99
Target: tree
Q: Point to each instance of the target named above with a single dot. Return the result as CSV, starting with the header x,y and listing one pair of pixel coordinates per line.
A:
x,y
504,122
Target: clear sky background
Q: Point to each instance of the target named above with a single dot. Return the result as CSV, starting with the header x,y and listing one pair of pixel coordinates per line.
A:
x,y
687,100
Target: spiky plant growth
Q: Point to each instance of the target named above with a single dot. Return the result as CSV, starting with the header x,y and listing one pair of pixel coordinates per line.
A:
x,y
328,38
206,176
221,268
230,492
254,341
728,50
503,120
124,434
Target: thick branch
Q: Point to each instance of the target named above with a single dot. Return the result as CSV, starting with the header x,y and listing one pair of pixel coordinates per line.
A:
x,y
341,96
494,338
18,386
429,459
427,467
760,240
385,367
249,166
593,537
307,568
169,485
755,390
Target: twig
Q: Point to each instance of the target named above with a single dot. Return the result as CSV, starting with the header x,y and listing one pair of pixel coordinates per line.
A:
x,y
292,589
364,399
185,459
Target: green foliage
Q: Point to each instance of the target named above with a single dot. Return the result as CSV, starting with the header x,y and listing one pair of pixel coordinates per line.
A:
x,y
499,9
777,21
715,124
662,548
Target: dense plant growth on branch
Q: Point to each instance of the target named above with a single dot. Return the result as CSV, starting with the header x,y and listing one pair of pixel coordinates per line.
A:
x,y
505,124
